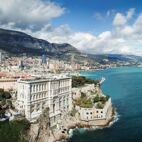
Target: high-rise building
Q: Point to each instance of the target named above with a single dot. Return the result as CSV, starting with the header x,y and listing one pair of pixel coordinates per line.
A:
x,y
21,65
44,61
0,57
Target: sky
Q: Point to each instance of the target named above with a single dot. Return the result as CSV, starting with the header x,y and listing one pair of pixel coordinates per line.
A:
x,y
92,26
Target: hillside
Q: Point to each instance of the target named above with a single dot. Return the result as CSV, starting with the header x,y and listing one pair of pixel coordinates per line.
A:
x,y
18,43
104,58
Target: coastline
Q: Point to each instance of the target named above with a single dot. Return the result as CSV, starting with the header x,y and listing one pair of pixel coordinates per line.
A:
x,y
110,123
86,126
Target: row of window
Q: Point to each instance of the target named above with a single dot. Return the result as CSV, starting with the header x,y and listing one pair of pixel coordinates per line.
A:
x,y
38,107
38,96
59,84
39,87
91,112
43,87
61,90
98,116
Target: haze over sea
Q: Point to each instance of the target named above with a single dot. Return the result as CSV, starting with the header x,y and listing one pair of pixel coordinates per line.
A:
x,y
124,85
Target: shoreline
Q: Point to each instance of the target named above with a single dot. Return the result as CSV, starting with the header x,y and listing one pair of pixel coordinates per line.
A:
x,y
108,125
69,133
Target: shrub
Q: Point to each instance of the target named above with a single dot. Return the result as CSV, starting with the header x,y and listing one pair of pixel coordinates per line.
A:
x,y
100,105
78,81
83,95
96,99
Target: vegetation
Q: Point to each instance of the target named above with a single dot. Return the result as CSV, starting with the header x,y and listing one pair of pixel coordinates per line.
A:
x,y
84,101
13,131
78,81
102,99
100,105
4,95
5,102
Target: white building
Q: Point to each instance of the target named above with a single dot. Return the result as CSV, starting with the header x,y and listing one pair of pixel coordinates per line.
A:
x,y
37,94
93,113
88,114
8,84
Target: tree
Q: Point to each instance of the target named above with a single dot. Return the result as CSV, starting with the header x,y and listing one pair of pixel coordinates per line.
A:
x,y
9,103
7,95
78,81
2,113
96,99
83,95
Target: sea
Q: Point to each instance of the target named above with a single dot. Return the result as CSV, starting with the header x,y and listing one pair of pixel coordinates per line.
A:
x,y
124,85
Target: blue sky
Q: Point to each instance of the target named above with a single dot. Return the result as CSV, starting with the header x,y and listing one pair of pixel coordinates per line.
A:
x,y
92,26
81,15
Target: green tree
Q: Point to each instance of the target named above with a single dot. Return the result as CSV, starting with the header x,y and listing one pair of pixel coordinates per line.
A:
x,y
96,99
7,95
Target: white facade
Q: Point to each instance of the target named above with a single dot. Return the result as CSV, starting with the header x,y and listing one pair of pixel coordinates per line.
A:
x,y
8,84
88,114
36,95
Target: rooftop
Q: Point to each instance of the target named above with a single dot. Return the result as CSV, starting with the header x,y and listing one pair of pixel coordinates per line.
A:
x,y
43,79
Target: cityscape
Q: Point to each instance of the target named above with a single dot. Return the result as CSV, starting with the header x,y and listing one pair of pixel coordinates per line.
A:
x,y
70,71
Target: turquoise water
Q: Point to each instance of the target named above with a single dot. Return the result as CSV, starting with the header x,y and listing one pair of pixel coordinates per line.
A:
x,y
124,85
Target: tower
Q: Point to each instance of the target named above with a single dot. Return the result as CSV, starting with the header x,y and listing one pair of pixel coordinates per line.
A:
x,y
43,57
21,64
0,57
44,61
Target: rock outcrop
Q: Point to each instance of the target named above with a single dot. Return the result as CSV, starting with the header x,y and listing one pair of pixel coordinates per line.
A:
x,y
40,131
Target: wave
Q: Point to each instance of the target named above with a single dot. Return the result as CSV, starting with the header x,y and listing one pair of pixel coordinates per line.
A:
x,y
115,119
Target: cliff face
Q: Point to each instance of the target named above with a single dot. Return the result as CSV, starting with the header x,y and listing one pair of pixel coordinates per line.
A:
x,y
40,131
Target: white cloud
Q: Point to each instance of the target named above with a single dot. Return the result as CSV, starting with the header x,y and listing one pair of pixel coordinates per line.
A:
x,y
28,12
122,39
119,20
130,13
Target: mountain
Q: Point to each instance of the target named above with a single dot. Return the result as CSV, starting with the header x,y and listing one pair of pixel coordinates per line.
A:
x,y
104,58
18,43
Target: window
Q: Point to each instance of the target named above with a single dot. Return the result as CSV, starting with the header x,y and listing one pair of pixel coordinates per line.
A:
x,y
44,86
40,87
53,108
101,111
87,113
36,88
33,88
33,97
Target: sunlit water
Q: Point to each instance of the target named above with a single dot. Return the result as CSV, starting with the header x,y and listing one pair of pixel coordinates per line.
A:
x,y
124,85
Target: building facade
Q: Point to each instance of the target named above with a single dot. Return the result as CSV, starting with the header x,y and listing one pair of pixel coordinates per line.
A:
x,y
88,114
8,84
35,95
